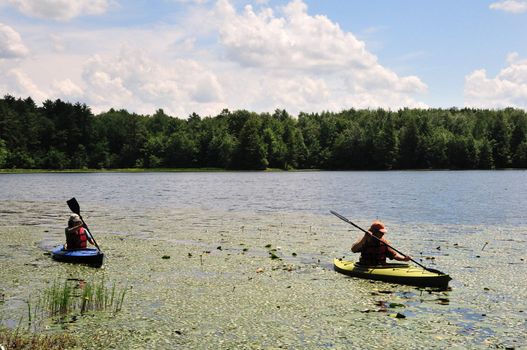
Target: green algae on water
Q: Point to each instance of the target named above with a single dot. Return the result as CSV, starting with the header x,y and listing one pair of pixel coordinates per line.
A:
x,y
217,299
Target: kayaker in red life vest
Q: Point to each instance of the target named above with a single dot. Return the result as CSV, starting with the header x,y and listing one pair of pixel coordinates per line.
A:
x,y
374,252
76,236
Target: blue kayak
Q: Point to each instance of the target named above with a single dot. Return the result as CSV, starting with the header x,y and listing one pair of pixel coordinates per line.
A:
x,y
89,256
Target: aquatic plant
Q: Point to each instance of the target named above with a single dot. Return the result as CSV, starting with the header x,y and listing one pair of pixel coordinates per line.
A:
x,y
56,299
15,339
60,300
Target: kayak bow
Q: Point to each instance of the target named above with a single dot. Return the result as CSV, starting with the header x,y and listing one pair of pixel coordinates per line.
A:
x,y
393,273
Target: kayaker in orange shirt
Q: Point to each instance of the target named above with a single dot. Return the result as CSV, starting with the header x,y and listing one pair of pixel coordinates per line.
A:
x,y
76,236
373,252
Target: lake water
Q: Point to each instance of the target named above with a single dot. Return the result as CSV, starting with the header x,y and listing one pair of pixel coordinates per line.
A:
x,y
442,197
220,290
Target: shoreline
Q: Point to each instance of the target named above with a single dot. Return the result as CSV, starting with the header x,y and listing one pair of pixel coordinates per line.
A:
x,y
140,170
221,170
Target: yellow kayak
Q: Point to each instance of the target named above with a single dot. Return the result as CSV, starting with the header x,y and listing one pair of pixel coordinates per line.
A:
x,y
394,273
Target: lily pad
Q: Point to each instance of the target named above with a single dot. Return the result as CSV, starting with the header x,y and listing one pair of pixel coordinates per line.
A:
x,y
273,255
395,305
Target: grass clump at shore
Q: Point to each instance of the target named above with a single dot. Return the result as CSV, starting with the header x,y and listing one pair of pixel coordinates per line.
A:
x,y
17,340
61,303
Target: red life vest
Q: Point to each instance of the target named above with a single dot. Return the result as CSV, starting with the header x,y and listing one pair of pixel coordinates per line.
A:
x,y
76,239
83,237
373,253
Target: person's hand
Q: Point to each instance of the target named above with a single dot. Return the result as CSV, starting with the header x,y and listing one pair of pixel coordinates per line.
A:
x,y
407,258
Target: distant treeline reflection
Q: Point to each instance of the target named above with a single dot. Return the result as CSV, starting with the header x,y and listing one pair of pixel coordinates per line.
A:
x,y
61,135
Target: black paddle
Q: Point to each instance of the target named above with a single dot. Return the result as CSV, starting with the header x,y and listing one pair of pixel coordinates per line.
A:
x,y
363,230
75,207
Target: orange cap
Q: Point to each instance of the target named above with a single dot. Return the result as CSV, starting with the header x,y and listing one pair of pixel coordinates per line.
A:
x,y
377,226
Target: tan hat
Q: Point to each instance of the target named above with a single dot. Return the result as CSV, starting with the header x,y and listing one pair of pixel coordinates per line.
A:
x,y
74,219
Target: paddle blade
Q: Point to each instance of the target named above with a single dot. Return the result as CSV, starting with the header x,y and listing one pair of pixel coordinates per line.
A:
x,y
74,206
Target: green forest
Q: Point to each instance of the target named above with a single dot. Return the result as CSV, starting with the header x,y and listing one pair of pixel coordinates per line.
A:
x,y
62,135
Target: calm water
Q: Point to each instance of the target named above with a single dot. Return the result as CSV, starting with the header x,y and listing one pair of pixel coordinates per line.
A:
x,y
460,197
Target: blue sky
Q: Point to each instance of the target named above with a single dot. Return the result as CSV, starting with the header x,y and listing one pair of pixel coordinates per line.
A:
x,y
202,56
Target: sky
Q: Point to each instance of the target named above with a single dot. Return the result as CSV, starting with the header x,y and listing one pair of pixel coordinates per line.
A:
x,y
203,56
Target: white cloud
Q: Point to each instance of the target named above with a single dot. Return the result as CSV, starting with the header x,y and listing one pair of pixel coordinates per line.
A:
x,y
67,90
18,84
134,81
295,41
11,45
507,89
60,10
301,48
513,6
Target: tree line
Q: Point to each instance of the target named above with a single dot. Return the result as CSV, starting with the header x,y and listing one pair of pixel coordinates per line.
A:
x,y
62,135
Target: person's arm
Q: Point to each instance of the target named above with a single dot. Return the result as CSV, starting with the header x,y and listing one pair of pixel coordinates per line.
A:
x,y
392,254
357,246
73,229
88,236
400,257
